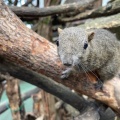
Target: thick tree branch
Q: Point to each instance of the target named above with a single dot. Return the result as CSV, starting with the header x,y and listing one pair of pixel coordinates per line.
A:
x,y
43,82
109,9
23,47
41,12
62,92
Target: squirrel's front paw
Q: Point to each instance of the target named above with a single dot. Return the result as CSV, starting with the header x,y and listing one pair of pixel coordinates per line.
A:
x,y
66,73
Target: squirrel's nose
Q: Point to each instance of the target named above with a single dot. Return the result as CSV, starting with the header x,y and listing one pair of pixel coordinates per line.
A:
x,y
67,64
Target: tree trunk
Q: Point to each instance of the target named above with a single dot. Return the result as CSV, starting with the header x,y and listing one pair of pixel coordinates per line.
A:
x,y
15,100
44,106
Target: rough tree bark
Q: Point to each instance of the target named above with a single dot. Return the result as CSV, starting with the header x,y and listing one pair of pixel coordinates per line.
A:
x,y
23,47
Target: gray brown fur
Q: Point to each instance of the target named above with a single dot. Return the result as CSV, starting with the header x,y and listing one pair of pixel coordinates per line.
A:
x,y
101,55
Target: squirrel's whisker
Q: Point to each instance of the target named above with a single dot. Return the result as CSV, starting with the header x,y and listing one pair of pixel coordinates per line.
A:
x,y
87,75
91,72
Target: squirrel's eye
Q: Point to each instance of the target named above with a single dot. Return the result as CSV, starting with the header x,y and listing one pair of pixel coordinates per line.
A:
x,y
85,45
57,42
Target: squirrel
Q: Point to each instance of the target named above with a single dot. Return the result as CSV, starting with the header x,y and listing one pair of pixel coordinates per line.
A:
x,y
89,50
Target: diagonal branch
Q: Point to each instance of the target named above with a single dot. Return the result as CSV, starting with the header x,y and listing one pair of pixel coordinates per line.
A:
x,y
43,82
85,107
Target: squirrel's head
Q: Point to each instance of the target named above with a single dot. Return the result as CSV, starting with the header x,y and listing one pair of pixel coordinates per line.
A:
x,y
72,45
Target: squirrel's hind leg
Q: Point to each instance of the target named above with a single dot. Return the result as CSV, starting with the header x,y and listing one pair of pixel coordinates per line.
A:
x,y
99,84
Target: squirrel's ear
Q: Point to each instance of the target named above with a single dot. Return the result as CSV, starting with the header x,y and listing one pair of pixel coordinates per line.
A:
x,y
90,36
59,30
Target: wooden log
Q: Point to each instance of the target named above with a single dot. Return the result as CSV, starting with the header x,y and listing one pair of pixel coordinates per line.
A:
x,y
41,12
25,49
